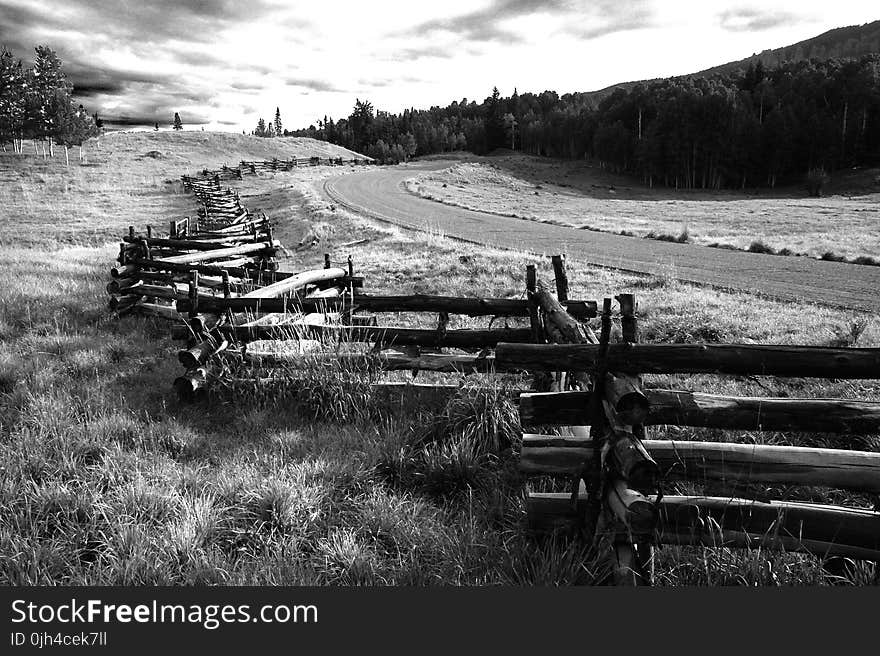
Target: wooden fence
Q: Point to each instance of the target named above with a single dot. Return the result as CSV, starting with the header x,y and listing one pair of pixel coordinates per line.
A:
x,y
217,278
600,408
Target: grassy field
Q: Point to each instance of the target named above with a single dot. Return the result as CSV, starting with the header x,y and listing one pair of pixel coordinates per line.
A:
x,y
106,479
579,194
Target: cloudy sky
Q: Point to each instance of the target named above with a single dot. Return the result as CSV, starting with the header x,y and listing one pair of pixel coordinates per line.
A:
x,y
225,63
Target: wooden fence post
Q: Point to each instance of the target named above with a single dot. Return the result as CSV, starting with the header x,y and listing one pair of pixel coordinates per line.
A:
x,y
561,278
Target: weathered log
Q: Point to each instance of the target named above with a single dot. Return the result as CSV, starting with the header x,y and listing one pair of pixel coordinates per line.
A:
x,y
243,228
825,523
245,303
634,511
722,461
561,278
159,291
389,335
200,323
739,540
736,359
558,320
159,311
626,457
123,303
237,268
296,282
625,395
124,271
196,355
206,244
628,322
424,303
217,254
394,361
823,531
190,383
116,285
682,408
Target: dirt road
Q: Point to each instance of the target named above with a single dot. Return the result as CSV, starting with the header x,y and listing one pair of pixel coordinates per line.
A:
x,y
380,194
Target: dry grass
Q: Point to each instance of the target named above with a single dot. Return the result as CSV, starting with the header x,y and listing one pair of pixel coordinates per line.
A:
x,y
119,185
579,195
108,480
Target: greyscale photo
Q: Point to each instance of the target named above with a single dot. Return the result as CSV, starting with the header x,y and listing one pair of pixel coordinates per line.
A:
x,y
405,294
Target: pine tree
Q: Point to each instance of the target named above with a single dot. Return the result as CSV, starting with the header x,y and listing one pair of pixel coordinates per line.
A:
x,y
177,125
277,122
261,128
494,121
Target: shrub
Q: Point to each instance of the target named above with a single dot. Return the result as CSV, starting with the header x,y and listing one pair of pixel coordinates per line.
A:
x,y
831,256
867,261
759,246
682,238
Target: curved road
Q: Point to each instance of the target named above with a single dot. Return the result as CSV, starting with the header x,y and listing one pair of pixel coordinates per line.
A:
x,y
380,194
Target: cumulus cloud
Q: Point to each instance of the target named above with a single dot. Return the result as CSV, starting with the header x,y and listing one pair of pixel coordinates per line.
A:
x,y
181,34
747,19
584,19
609,17
313,84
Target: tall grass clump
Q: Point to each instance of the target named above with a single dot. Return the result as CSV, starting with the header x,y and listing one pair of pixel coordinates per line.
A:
x,y
484,414
324,380
683,237
460,448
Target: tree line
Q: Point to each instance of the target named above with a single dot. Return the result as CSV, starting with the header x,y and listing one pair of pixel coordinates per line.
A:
x,y
748,128
36,104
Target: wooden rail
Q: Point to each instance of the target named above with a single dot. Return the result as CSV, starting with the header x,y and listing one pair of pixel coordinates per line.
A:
x,y
736,359
696,409
719,461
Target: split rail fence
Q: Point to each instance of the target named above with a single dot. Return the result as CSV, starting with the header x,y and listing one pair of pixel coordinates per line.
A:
x,y
600,407
216,276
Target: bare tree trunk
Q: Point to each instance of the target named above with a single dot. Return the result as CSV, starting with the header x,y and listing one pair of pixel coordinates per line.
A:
x,y
51,148
66,157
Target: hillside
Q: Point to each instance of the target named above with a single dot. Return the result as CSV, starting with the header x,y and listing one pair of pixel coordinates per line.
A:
x,y
187,150
124,181
850,41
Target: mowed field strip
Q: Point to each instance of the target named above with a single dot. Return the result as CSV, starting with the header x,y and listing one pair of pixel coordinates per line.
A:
x,y
382,194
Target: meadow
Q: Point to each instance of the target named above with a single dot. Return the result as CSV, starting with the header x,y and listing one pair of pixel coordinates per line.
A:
x,y
843,222
106,478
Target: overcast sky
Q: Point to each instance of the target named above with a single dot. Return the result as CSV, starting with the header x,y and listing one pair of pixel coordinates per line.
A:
x,y
225,63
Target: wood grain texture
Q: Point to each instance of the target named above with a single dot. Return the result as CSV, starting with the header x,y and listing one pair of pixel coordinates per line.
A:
x,y
737,359
682,408
720,461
